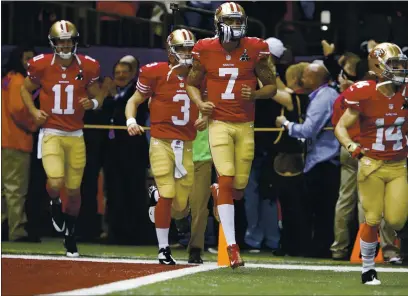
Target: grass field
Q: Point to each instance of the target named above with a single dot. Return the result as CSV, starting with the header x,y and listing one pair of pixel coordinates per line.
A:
x,y
264,274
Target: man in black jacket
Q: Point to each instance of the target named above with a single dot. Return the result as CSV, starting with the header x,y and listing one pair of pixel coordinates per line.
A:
x,y
125,173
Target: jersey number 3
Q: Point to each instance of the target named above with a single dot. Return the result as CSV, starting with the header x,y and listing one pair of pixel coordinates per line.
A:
x,y
185,109
69,90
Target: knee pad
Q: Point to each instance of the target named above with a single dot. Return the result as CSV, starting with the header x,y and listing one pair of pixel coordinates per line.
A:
x,y
240,182
372,220
395,223
54,186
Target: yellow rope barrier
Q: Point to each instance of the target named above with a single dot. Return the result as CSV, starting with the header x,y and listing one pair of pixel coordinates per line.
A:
x,y
122,127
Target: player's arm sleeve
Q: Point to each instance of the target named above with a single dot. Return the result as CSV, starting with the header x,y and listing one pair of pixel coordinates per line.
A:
x,y
146,81
34,71
263,50
198,51
356,93
94,71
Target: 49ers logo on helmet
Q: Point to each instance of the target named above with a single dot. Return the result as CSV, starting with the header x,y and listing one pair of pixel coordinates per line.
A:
x,y
218,10
378,53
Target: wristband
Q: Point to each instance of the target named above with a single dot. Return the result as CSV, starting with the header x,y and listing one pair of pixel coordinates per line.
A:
x,y
355,150
131,121
95,103
285,125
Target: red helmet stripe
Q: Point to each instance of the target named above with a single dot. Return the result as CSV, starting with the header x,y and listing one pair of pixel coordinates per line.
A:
x,y
231,6
239,9
191,35
185,35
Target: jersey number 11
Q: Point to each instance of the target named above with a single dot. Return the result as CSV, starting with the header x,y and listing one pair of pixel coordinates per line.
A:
x,y
69,90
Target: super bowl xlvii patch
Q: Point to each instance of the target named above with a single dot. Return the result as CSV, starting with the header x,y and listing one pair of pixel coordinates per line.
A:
x,y
244,57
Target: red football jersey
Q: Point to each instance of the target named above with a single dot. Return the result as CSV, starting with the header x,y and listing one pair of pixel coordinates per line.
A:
x,y
172,114
383,122
61,91
339,107
227,72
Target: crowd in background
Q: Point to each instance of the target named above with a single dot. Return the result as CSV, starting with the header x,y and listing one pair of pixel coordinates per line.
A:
x,y
296,23
293,203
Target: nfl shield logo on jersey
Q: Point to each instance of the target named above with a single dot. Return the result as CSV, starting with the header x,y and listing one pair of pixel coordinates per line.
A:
x,y
391,106
244,56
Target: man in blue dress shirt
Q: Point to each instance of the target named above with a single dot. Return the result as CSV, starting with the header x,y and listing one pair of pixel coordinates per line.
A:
x,y
322,170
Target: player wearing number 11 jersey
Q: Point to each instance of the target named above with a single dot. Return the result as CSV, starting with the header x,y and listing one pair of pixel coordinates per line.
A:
x,y
66,80
231,63
174,121
380,107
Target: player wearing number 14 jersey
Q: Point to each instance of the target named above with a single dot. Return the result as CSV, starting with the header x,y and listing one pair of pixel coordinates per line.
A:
x,y
231,63
66,80
174,121
381,108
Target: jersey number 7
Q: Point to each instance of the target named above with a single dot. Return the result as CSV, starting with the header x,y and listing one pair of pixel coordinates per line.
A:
x,y
228,94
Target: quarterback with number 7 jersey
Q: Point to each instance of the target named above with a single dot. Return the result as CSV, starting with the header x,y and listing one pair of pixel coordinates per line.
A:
x,y
231,64
66,80
381,108
174,123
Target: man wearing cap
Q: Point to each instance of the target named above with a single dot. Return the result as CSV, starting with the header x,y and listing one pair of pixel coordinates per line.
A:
x,y
277,50
260,198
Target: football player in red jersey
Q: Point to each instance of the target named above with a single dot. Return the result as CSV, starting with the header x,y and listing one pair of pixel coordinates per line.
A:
x,y
231,63
380,107
174,121
66,80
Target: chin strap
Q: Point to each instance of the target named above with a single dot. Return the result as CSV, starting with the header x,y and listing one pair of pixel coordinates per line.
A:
x,y
378,85
171,70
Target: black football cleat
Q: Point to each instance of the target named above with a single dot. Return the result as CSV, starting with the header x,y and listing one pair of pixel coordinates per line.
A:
x,y
370,278
70,246
165,257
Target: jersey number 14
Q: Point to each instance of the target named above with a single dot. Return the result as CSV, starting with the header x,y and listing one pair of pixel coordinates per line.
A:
x,y
392,133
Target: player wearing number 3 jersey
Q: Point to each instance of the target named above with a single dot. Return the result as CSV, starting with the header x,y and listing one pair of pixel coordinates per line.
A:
x,y
174,121
66,80
231,63
380,107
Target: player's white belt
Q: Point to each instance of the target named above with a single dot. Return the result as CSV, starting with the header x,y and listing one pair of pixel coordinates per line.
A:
x,y
179,170
52,131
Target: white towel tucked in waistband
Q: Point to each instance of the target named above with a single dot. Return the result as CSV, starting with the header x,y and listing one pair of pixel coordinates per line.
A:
x,y
179,170
39,144
51,131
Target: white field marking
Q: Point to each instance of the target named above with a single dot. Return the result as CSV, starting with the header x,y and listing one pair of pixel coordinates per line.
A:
x,y
168,275
139,282
339,268
336,268
87,259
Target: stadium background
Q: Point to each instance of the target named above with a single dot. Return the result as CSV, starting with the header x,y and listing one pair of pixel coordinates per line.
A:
x,y
141,32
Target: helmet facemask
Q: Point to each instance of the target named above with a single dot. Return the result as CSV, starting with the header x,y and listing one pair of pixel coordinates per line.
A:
x,y
183,53
231,27
396,69
61,50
